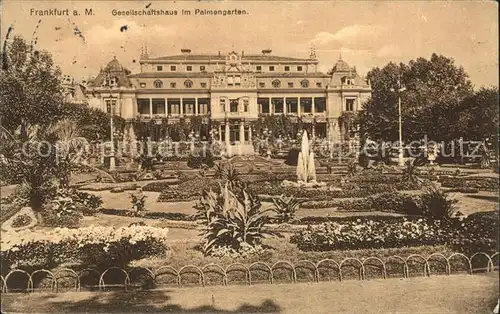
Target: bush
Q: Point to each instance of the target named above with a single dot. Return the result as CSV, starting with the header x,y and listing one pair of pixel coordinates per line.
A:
x,y
462,190
285,208
198,161
436,204
231,217
187,191
21,221
385,202
292,156
480,183
100,247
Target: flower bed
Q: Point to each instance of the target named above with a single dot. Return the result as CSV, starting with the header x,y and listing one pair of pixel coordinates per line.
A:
x,y
100,246
319,194
474,233
480,183
150,215
160,185
190,190
385,202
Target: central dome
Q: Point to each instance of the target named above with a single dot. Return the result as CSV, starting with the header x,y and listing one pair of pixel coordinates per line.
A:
x,y
341,66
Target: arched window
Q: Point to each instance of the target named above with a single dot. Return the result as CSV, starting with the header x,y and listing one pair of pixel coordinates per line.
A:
x,y
158,84
304,83
276,83
188,84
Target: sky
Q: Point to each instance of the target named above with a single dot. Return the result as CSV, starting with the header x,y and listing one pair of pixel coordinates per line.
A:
x,y
367,34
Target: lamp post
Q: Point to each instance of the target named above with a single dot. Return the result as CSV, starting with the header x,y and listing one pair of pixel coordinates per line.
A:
x,y
400,89
112,104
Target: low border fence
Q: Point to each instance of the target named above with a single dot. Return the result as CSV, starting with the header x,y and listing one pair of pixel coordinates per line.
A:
x,y
128,281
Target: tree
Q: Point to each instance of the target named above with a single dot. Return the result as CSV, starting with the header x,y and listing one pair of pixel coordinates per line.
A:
x,y
30,88
430,103
479,114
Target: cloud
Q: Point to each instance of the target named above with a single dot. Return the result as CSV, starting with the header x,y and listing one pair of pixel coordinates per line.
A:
x,y
390,50
355,36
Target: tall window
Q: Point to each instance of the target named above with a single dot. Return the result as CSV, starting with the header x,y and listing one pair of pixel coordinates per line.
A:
x,y
188,84
304,83
173,106
276,83
158,84
223,104
245,104
143,105
233,106
320,104
278,105
111,106
349,104
158,105
263,105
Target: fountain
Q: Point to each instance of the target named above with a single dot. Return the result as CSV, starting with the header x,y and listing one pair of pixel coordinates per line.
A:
x,y
306,169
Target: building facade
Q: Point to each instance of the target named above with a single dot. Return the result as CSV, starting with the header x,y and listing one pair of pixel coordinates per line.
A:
x,y
228,93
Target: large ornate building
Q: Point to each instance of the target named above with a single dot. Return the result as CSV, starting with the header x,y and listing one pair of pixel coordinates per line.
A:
x,y
229,92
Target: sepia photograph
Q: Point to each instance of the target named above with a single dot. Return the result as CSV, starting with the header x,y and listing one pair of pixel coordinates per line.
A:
x,y
218,156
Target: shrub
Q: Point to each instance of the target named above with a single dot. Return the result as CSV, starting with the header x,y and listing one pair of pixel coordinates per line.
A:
x,y
468,190
285,208
436,204
187,191
231,217
386,202
197,161
91,246
292,156
480,183
21,221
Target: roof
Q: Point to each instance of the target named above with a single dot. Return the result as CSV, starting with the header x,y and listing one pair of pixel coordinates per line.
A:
x,y
114,69
341,66
222,57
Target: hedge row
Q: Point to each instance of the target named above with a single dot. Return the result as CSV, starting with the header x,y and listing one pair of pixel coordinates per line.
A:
x,y
480,183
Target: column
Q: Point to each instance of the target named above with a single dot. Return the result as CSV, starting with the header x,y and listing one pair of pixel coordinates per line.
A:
x,y
271,106
150,107
220,133
181,109
250,134
227,139
196,106
242,132
166,107
284,106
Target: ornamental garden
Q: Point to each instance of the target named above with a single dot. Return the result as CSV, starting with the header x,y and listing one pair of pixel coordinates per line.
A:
x,y
291,214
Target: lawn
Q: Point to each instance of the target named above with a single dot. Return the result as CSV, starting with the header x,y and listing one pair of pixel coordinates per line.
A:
x,y
439,294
